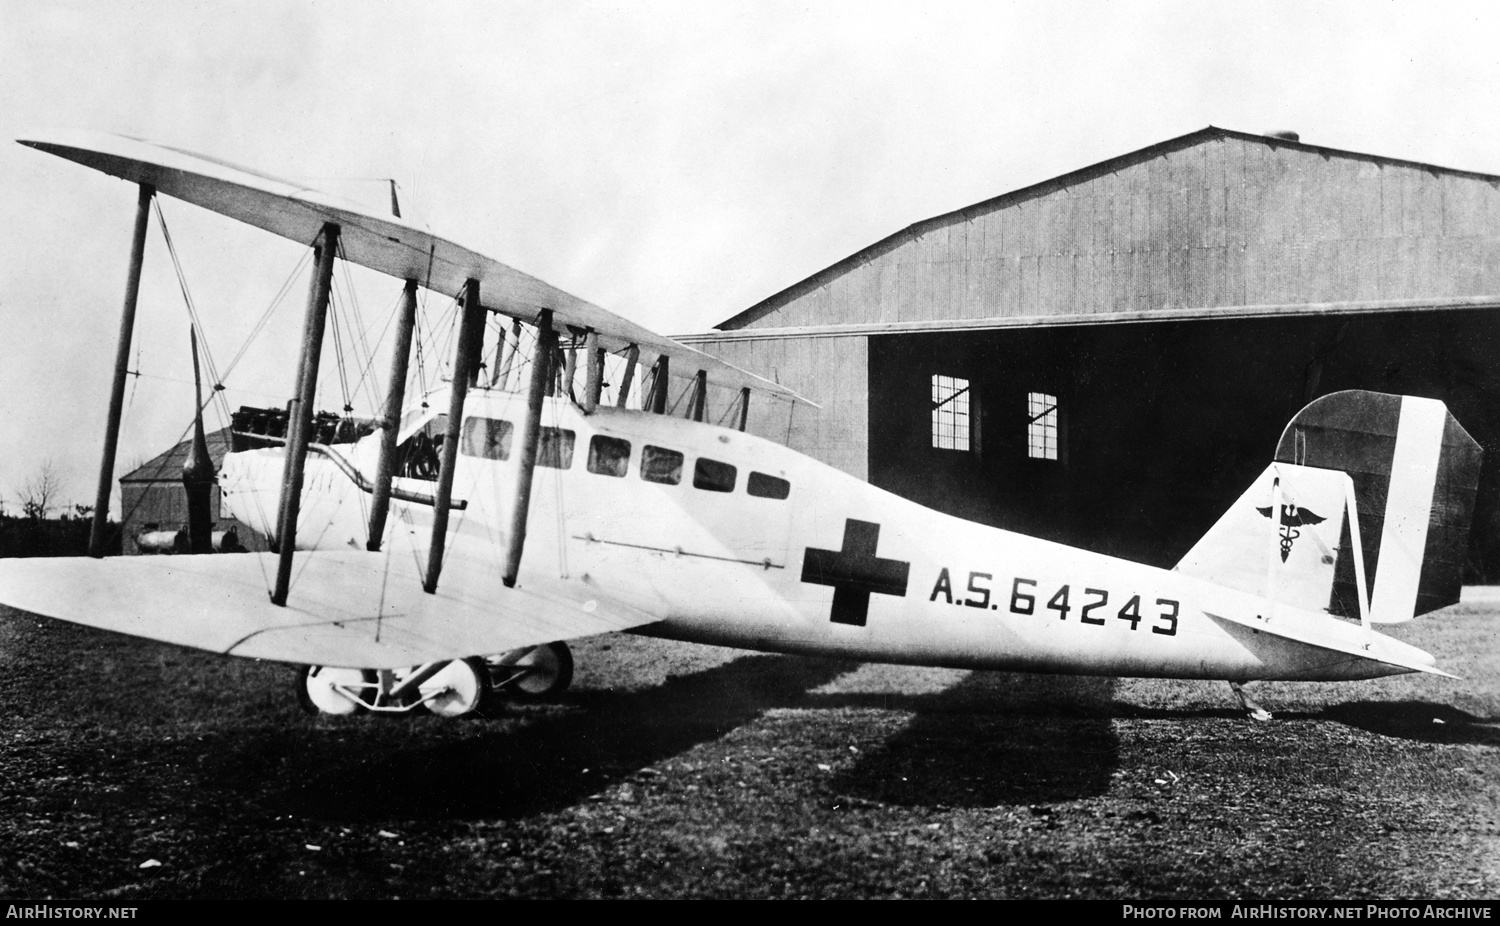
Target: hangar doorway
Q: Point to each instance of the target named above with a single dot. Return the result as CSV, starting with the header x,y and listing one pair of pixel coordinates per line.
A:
x,y
1132,438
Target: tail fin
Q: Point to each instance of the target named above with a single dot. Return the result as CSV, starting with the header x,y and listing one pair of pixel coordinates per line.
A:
x,y
1406,467
1292,557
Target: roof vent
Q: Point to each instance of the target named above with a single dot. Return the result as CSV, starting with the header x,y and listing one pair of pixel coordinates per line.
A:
x,y
1284,135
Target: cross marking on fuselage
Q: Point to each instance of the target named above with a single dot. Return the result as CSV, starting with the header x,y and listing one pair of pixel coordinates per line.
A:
x,y
855,572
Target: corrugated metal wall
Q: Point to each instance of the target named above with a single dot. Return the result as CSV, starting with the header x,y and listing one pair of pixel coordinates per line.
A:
x,y
831,371
1224,222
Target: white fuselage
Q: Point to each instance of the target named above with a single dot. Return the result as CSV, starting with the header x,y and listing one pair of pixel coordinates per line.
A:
x,y
787,554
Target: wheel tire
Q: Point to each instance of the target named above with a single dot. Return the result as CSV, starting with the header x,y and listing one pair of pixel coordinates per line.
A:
x,y
550,671
466,684
317,695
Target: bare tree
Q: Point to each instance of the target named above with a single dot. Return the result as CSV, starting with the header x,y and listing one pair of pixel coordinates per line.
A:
x,y
41,491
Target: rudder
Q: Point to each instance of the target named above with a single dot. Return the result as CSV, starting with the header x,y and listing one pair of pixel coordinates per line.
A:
x,y
1415,472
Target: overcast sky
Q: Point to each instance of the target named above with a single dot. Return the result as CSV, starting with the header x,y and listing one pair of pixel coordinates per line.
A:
x,y
672,162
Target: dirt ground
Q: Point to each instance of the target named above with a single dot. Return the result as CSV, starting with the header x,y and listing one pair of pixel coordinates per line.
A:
x,y
131,770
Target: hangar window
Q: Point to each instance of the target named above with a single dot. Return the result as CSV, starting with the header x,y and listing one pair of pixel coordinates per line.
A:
x,y
950,413
555,450
609,456
486,437
1041,426
661,465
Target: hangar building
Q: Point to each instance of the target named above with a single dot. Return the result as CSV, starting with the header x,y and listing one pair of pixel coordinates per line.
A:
x,y
1108,358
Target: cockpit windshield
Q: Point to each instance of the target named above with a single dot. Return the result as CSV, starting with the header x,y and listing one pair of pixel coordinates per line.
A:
x,y
419,456
410,418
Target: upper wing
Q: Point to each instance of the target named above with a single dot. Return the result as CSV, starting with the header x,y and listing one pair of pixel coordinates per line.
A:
x,y
345,608
384,243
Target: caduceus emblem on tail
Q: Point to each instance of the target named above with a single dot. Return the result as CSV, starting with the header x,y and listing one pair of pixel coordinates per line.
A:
x,y
1292,517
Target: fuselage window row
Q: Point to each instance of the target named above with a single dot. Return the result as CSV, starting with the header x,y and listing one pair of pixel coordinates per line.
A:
x,y
492,439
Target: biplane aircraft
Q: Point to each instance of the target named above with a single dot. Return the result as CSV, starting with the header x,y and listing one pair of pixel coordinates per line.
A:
x,y
451,552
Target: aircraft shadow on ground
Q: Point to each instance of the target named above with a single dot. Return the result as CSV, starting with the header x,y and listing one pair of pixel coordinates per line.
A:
x,y
554,762
1421,721
993,739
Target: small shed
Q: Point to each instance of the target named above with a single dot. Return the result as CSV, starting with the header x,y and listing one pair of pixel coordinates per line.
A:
x,y
152,496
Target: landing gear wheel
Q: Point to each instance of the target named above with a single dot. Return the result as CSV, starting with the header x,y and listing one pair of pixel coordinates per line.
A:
x,y
337,692
464,686
541,673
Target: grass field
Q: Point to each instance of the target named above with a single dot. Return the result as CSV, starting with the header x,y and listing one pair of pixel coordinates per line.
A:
x,y
131,770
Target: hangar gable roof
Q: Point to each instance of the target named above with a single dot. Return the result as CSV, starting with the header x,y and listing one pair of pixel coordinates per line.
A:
x,y
1222,278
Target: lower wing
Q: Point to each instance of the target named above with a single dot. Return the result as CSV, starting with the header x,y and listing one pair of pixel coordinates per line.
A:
x,y
344,609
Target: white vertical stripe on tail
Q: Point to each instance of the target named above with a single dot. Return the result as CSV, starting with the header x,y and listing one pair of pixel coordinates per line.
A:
x,y
1408,505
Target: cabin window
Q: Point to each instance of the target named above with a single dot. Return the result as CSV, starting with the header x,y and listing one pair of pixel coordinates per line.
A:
x,y
661,465
762,486
486,437
419,456
950,413
555,449
608,456
713,475
1041,426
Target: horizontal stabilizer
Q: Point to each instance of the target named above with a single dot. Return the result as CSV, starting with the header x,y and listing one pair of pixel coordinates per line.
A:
x,y
353,609
1322,648
384,243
